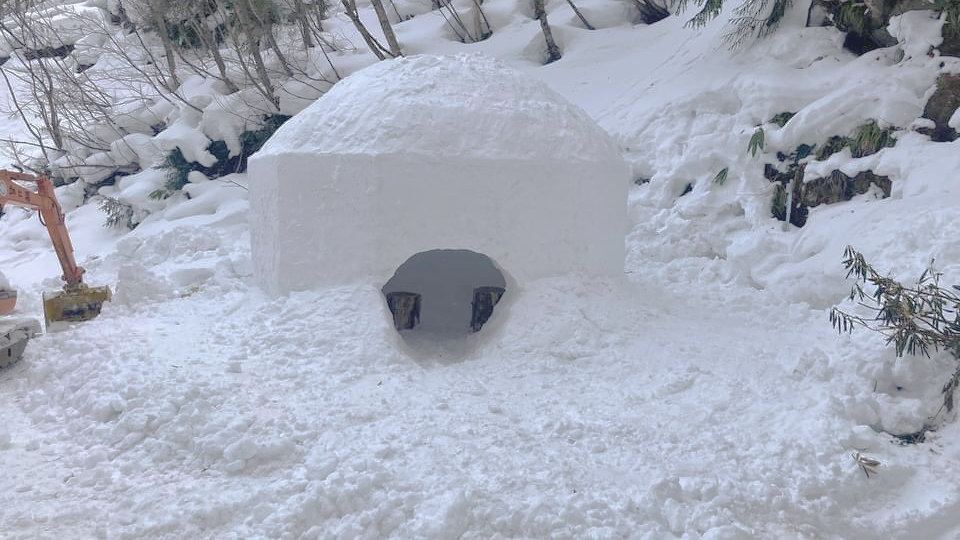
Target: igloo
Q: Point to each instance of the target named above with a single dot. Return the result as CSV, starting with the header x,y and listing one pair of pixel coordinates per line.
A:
x,y
436,154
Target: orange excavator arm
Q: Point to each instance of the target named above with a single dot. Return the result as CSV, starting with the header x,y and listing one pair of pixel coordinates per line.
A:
x,y
45,201
76,302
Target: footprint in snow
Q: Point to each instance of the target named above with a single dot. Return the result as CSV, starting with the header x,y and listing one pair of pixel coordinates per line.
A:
x,y
677,383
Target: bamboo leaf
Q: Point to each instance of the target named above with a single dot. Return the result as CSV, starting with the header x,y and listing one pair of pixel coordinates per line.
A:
x,y
721,176
756,142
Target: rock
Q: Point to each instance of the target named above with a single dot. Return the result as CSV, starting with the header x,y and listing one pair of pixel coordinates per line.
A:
x,y
865,22
839,187
941,106
951,39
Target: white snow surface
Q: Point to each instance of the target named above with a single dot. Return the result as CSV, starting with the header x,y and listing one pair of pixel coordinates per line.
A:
x,y
458,152
468,106
701,395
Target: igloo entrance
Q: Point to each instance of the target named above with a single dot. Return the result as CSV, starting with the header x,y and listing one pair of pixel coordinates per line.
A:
x,y
443,294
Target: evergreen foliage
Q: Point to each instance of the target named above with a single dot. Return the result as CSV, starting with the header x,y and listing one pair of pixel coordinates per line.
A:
x,y
651,11
753,19
185,36
119,214
778,205
179,169
709,9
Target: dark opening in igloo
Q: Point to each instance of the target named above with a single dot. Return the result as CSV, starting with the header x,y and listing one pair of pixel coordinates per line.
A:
x,y
444,293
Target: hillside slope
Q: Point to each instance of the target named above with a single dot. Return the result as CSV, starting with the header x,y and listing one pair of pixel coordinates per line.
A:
x,y
705,395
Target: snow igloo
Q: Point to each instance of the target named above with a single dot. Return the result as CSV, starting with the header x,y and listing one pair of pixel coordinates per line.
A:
x,y
451,173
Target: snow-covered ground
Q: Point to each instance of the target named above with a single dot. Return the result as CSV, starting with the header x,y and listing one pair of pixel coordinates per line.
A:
x,y
704,395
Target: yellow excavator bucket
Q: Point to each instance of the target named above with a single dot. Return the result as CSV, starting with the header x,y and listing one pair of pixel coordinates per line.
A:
x,y
74,304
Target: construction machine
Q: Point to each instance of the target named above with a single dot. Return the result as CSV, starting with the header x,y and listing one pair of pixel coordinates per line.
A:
x,y
77,301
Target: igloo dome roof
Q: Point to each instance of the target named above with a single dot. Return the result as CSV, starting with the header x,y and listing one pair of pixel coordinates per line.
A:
x,y
436,153
470,106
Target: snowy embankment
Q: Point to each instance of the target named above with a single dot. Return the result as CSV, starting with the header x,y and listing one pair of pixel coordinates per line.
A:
x,y
227,415
705,396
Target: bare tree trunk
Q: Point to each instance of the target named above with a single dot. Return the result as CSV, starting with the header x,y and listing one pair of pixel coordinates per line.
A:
x,y
321,14
272,43
397,11
63,110
580,15
52,112
303,22
540,12
266,85
210,43
59,97
350,8
250,30
481,21
265,29
387,29
156,11
650,11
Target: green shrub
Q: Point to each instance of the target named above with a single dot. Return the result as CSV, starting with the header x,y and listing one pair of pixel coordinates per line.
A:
x,y
178,168
781,119
915,319
867,139
119,214
833,145
870,139
951,11
853,17
251,141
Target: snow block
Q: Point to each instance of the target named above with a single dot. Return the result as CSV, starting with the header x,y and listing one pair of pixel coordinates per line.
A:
x,y
424,153
14,335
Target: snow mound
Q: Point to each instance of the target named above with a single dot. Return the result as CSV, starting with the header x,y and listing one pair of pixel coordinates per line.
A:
x,y
431,105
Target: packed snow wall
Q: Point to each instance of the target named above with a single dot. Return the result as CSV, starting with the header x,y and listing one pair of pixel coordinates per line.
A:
x,y
429,153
